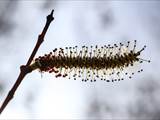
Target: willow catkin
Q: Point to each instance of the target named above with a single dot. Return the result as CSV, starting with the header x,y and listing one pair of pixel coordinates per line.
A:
x,y
106,62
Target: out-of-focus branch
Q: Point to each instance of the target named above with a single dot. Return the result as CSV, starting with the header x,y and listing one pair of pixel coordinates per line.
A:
x,y
25,69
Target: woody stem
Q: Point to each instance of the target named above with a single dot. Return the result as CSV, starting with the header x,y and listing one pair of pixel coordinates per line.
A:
x,y
25,69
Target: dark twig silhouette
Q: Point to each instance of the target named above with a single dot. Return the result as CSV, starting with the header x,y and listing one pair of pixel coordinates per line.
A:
x,y
25,69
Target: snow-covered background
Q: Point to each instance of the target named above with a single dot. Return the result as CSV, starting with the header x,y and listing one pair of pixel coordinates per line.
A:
x,y
79,23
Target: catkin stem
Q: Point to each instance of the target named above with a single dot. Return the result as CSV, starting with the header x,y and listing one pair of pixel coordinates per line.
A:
x,y
25,69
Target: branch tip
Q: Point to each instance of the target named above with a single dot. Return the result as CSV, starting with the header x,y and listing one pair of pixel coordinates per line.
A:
x,y
50,16
52,12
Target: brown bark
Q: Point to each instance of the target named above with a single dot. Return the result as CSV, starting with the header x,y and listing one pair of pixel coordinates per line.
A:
x,y
25,69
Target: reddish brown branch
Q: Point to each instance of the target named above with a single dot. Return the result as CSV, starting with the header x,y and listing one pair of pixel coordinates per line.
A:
x,y
25,69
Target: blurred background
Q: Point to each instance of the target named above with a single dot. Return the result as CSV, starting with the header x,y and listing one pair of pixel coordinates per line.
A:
x,y
79,23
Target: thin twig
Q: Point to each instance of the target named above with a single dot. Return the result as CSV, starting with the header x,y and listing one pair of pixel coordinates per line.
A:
x,y
25,69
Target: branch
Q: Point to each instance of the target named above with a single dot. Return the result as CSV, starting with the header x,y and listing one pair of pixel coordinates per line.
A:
x,y
25,69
